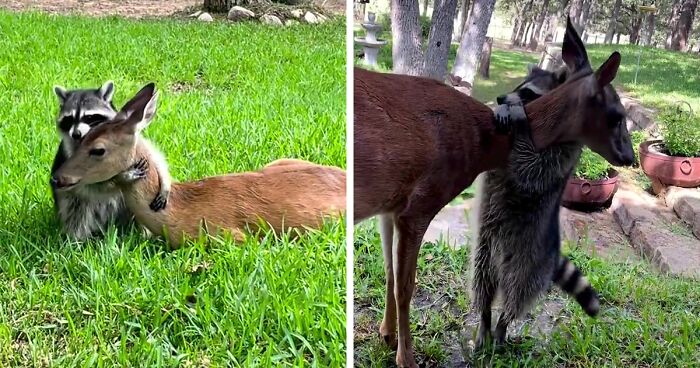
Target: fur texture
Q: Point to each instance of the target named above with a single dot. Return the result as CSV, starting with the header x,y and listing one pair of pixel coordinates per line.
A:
x,y
285,194
518,239
88,210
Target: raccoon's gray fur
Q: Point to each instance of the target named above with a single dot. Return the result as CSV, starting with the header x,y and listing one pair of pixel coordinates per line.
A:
x,y
87,210
518,246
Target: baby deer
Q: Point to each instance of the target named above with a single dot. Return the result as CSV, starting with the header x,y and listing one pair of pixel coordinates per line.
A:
x,y
285,194
419,143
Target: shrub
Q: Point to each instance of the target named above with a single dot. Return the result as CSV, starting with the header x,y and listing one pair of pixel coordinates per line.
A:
x,y
681,132
638,136
591,166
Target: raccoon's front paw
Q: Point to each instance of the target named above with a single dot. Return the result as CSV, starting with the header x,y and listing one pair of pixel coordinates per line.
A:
x,y
137,171
502,115
159,203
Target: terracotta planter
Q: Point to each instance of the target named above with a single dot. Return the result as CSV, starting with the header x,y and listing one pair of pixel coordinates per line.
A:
x,y
590,194
659,166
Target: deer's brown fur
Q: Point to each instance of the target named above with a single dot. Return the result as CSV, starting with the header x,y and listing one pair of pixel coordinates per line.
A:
x,y
285,194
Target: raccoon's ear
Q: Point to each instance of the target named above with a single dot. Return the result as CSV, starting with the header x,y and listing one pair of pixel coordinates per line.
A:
x,y
107,91
561,74
61,93
141,109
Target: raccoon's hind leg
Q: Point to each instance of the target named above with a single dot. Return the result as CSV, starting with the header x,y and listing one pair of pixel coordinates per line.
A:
x,y
484,288
522,280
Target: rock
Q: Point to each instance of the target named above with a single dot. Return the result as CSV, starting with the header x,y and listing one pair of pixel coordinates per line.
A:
x,y
297,13
271,19
686,203
310,18
239,13
451,225
196,14
321,18
291,22
205,17
638,116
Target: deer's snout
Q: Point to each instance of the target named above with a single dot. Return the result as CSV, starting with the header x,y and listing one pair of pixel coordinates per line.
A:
x,y
63,182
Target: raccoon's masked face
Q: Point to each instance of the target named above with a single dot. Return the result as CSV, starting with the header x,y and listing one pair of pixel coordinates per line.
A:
x,y
82,110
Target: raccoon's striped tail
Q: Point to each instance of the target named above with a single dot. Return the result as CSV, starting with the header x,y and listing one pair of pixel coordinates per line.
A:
x,y
570,279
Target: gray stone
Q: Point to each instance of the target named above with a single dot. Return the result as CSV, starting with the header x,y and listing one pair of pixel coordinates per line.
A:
x,y
310,18
196,14
686,203
638,116
271,19
297,13
239,13
670,253
291,22
205,17
451,225
629,208
321,18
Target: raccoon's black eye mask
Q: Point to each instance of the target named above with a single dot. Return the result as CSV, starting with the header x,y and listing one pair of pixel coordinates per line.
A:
x,y
94,119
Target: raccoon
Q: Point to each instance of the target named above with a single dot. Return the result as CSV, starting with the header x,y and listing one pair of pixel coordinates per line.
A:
x,y
88,210
518,238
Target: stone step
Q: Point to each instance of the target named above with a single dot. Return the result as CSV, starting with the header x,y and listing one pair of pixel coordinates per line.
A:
x,y
656,233
686,203
451,225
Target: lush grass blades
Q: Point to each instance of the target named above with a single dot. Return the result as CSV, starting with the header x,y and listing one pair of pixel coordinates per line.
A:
x,y
233,98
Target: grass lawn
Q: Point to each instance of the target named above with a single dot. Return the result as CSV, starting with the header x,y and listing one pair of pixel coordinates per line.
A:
x,y
233,98
646,320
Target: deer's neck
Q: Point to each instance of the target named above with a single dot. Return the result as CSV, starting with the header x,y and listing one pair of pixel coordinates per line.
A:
x,y
139,194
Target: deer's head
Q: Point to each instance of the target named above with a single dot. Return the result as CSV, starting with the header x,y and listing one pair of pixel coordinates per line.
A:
x,y
109,149
594,114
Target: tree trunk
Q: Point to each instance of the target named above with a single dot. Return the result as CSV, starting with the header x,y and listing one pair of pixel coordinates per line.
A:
x,y
470,48
612,24
516,29
485,59
575,13
635,27
406,38
520,22
552,24
673,22
617,41
539,22
218,6
522,41
439,40
425,8
463,16
651,23
583,18
679,39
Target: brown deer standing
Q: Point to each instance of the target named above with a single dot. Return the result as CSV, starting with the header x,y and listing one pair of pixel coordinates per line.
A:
x,y
285,194
419,143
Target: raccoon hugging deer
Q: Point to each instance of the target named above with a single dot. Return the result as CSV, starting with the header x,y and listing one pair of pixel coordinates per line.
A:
x,y
285,194
416,153
88,210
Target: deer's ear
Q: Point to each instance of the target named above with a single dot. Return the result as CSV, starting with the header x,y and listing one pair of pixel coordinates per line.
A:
x,y
107,91
61,93
573,52
607,72
140,110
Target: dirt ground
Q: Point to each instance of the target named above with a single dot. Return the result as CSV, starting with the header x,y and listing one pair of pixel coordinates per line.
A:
x,y
128,8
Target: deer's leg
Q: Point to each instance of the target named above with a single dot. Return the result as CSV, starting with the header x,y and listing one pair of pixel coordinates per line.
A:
x,y
405,258
387,330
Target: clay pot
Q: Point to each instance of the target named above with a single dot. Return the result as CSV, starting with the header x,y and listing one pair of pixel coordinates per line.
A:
x,y
590,194
662,168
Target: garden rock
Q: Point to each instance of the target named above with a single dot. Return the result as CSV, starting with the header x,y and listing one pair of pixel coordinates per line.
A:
x,y
239,13
310,18
291,22
321,18
271,19
686,203
205,17
196,14
297,13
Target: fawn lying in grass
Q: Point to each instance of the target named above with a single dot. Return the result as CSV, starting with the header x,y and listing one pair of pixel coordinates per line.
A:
x,y
285,194
419,143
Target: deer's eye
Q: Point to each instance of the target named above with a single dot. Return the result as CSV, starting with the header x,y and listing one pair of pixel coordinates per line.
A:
x,y
97,152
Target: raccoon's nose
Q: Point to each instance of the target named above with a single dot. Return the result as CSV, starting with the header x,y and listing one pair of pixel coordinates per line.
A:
x,y
76,135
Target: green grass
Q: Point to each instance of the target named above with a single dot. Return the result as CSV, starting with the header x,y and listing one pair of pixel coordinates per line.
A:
x,y
233,98
647,320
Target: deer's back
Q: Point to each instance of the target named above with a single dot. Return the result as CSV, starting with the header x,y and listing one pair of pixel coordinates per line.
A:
x,y
415,134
